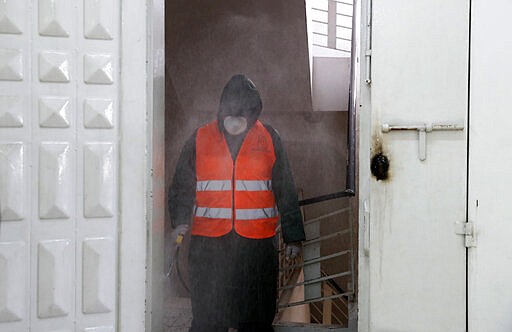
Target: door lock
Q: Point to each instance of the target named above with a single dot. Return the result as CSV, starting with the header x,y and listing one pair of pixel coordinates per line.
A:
x,y
422,130
468,230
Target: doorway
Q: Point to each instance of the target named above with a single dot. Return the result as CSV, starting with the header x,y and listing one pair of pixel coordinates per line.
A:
x,y
206,44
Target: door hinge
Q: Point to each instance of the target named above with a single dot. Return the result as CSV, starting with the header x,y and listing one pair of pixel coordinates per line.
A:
x,y
366,228
468,229
368,44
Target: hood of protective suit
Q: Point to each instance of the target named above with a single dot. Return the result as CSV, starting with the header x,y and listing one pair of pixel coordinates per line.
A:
x,y
240,98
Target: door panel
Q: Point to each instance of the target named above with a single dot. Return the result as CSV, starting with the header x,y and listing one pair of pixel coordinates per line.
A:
x,y
419,77
59,134
490,262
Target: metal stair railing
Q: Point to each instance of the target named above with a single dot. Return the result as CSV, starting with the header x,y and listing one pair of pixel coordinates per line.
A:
x,y
332,307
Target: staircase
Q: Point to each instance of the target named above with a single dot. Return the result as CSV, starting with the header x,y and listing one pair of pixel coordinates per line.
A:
x,y
330,306
330,311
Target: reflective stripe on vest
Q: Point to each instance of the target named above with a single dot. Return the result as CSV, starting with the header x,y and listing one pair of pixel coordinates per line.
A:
x,y
253,185
213,213
248,214
241,214
242,185
213,185
234,195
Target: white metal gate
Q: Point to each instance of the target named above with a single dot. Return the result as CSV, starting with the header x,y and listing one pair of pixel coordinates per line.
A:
x,y
490,180
59,128
416,262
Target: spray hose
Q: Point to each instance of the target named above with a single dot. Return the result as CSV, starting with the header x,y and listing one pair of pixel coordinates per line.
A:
x,y
174,263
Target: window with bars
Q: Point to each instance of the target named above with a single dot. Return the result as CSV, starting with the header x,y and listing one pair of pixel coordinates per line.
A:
x,y
329,24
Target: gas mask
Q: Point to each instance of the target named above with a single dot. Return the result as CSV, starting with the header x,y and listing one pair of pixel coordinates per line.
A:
x,y
235,125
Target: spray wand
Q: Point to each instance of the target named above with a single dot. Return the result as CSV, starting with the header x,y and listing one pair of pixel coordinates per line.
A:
x,y
179,240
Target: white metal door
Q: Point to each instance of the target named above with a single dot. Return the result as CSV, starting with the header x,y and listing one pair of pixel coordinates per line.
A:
x,y
490,179
59,111
419,75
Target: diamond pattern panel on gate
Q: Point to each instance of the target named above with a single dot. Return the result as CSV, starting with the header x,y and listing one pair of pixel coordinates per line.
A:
x,y
59,74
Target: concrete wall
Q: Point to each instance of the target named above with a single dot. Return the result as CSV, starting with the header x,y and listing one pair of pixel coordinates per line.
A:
x,y
207,42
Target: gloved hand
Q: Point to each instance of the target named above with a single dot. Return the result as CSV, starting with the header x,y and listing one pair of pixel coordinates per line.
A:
x,y
178,233
293,250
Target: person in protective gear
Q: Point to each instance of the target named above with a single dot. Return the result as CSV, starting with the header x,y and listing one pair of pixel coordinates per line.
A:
x,y
234,182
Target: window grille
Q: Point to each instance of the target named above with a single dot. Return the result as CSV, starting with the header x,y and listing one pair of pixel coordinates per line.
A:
x,y
331,24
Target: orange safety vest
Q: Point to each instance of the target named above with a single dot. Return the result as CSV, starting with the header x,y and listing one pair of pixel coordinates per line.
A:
x,y
234,194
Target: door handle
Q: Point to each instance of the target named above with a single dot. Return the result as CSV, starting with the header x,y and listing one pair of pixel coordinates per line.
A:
x,y
422,130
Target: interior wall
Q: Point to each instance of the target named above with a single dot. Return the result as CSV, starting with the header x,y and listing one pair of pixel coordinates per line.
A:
x,y
208,42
